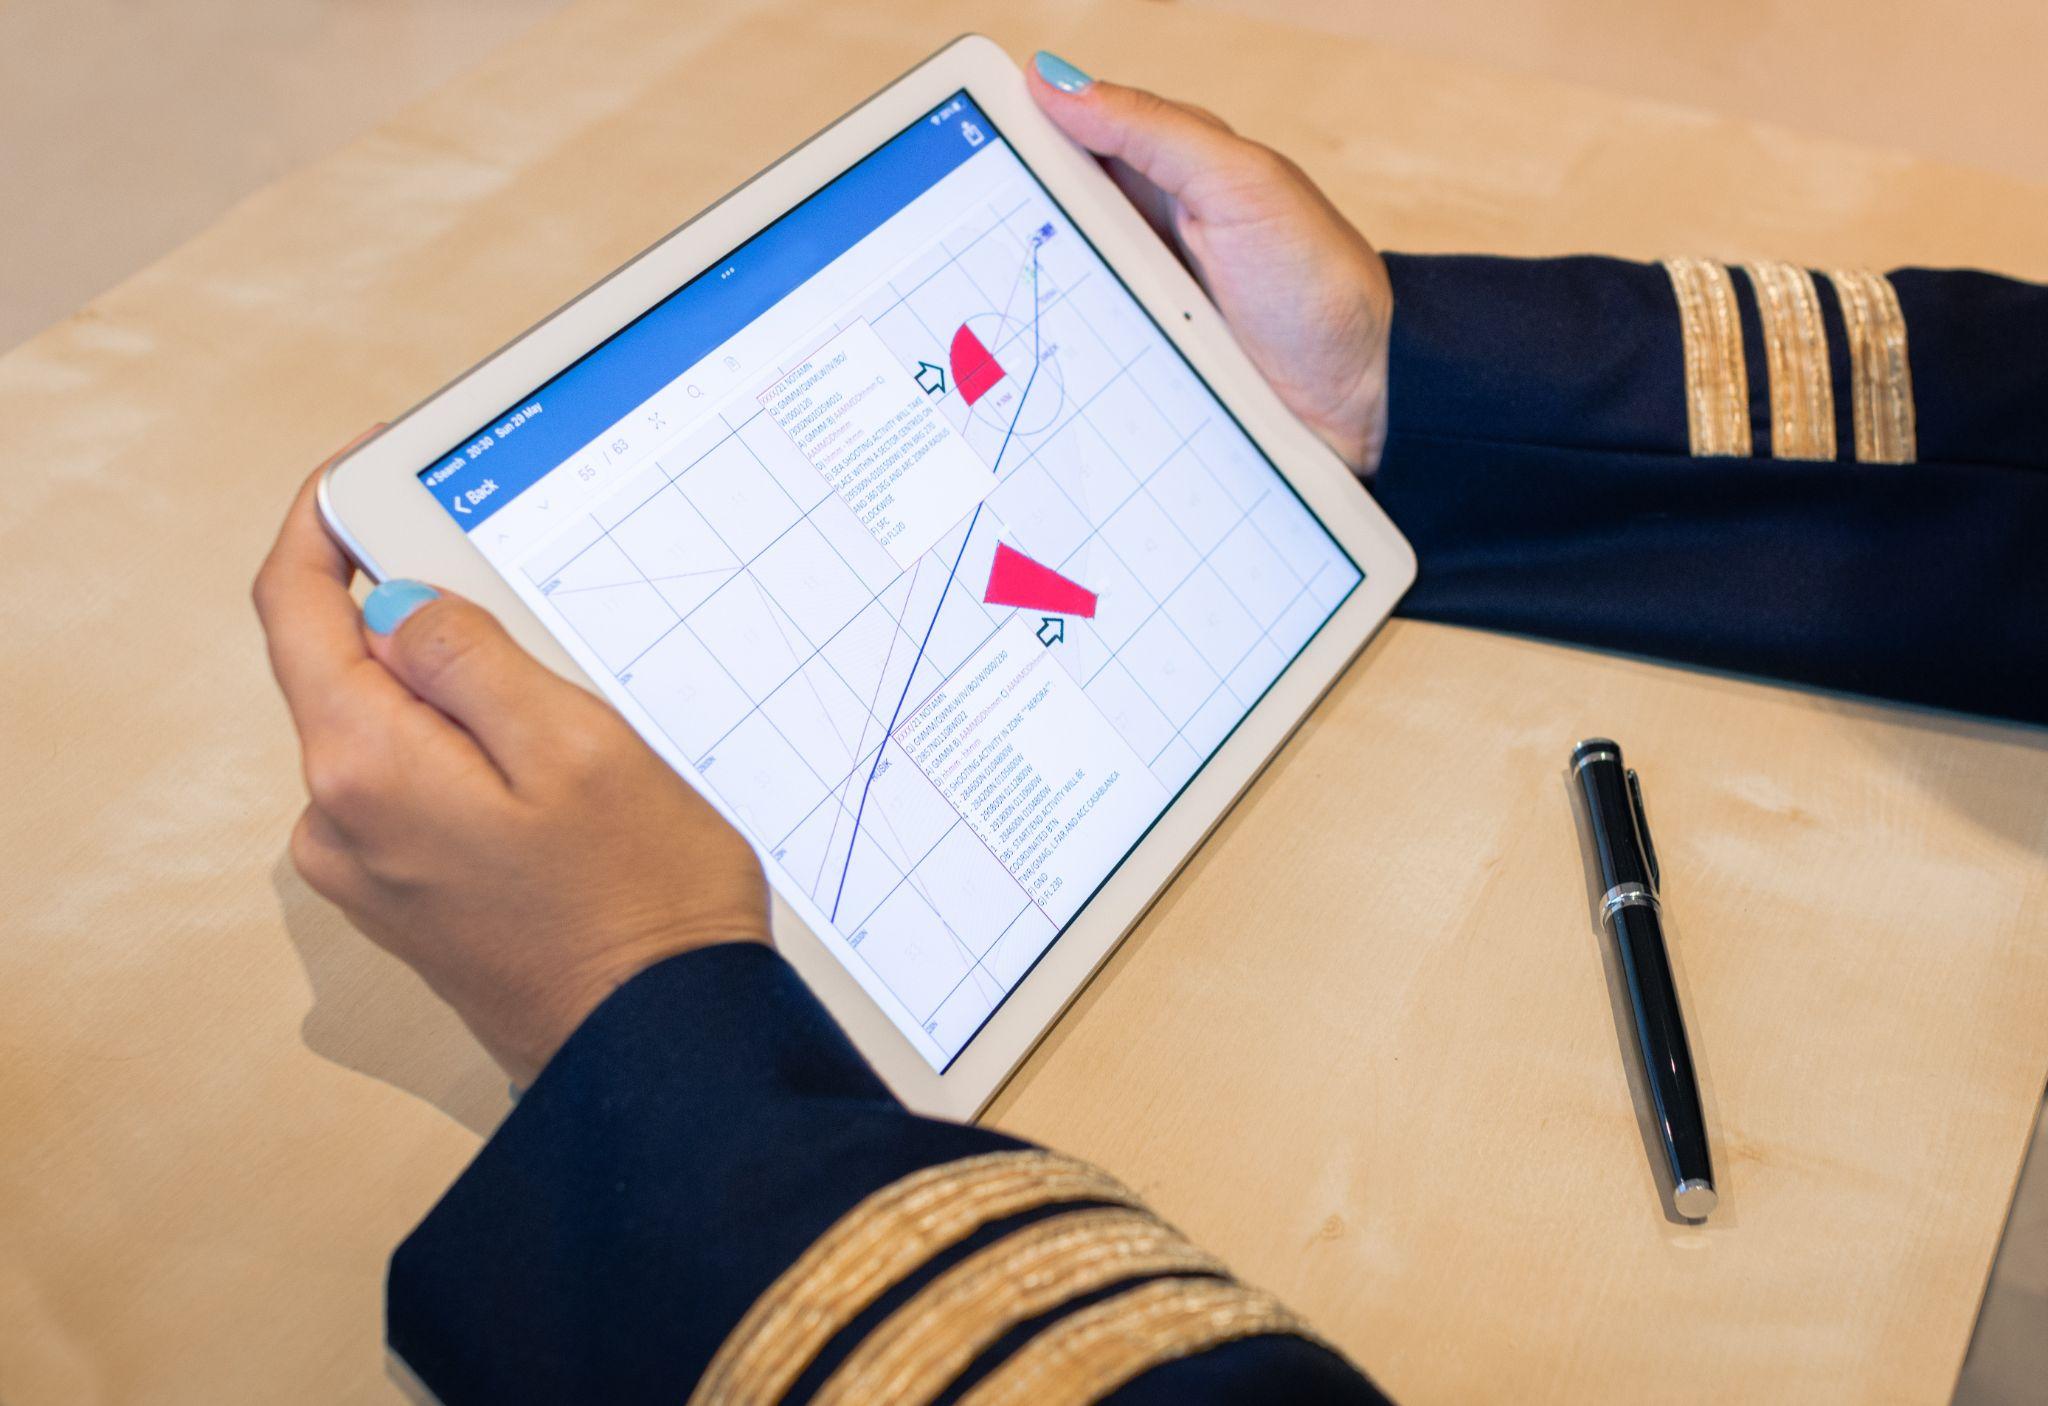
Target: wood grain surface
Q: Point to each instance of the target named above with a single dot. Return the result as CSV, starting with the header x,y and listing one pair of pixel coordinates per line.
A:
x,y
1367,1046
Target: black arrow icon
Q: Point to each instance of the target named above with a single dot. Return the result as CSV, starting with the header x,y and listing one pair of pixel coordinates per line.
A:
x,y
930,379
1051,630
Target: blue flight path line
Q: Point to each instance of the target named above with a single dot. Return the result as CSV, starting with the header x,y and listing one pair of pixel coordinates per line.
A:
x,y
958,557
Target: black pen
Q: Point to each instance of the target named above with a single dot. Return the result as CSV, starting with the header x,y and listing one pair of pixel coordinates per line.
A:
x,y
1629,906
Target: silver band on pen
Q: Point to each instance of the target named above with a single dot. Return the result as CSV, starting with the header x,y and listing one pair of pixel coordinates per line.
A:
x,y
1626,896
1601,756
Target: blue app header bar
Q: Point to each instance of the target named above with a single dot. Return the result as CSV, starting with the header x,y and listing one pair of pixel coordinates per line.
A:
x,y
507,456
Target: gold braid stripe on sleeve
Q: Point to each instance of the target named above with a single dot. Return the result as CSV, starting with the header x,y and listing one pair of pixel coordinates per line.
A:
x,y
925,1345
1796,354
1882,380
1090,1354
872,1247
1716,377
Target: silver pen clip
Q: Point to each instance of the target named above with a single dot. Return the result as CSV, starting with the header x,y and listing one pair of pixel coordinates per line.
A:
x,y
1642,823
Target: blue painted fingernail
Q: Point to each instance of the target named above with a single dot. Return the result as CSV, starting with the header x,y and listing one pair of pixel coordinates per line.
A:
x,y
386,608
1061,74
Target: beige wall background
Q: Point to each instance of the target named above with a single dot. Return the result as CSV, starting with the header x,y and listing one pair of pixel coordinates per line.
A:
x,y
127,126
1955,80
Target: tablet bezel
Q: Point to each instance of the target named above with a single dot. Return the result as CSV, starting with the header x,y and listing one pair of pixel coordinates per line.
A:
x,y
373,502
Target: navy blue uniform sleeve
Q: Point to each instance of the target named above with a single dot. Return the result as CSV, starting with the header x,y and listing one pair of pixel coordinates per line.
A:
x,y
1835,479
707,1190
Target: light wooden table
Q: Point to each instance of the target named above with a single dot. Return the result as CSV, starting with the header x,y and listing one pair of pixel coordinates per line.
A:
x,y
1365,1047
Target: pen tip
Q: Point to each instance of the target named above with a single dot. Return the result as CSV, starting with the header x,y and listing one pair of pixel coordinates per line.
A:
x,y
1695,1199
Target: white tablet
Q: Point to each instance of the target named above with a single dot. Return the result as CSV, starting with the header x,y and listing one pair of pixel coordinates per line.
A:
x,y
914,504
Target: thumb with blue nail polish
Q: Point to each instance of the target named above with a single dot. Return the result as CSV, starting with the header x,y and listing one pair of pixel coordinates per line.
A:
x,y
458,657
1060,74
387,607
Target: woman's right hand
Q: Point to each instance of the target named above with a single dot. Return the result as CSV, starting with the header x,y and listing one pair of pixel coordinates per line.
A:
x,y
1306,295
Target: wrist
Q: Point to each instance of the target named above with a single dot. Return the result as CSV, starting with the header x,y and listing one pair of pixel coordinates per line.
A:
x,y
1359,436
1371,441
522,1032
1375,384
1350,415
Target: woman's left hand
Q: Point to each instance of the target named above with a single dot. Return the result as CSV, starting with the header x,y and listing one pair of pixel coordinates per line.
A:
x,y
499,829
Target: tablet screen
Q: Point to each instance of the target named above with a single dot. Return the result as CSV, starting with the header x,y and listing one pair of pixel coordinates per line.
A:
x,y
906,535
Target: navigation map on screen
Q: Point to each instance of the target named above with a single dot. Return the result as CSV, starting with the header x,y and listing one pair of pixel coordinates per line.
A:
x,y
908,537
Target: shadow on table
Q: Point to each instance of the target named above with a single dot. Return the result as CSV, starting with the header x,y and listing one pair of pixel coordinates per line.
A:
x,y
2003,802
373,1015
2008,1353
1910,738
